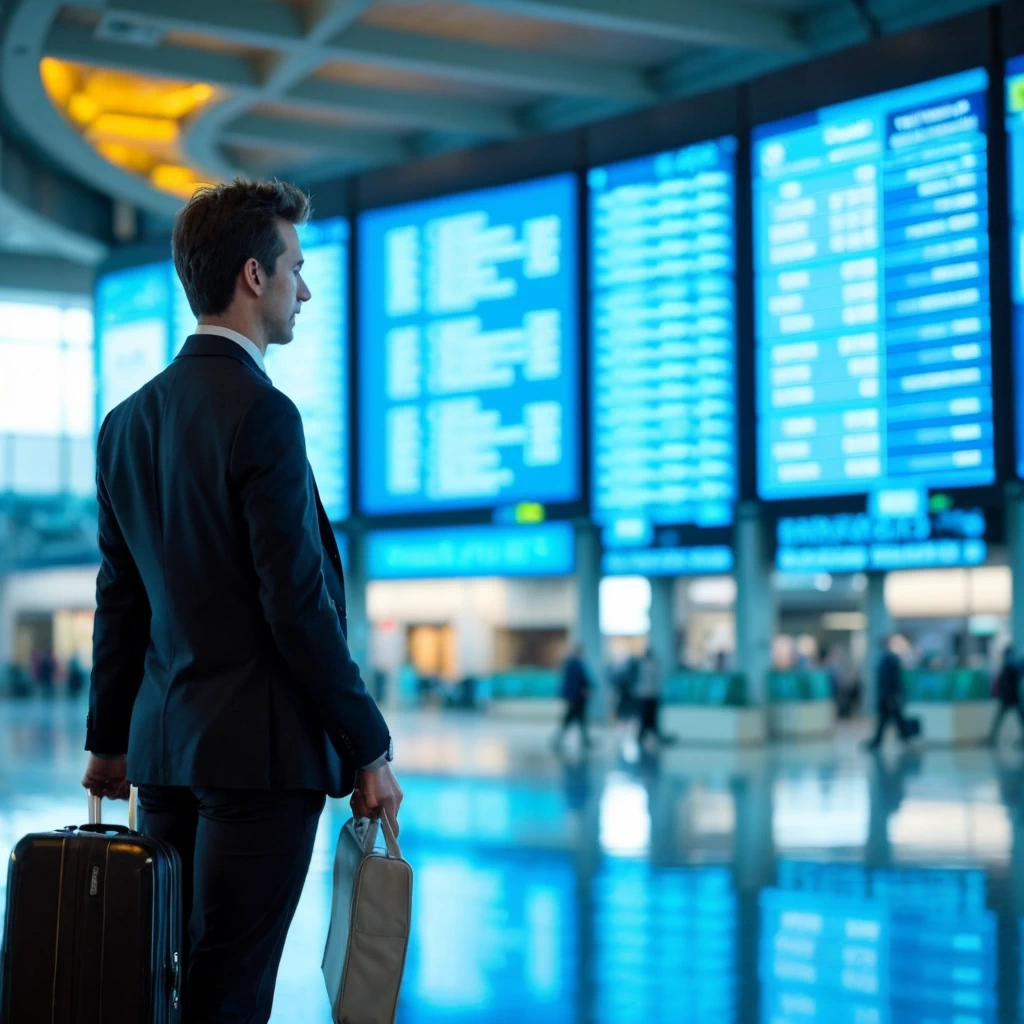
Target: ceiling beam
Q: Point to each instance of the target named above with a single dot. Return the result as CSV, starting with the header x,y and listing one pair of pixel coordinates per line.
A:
x,y
240,22
279,29
686,21
404,108
488,65
73,43
270,132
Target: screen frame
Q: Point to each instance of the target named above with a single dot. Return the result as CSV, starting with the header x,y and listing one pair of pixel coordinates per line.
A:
x,y
437,178
1009,44
883,65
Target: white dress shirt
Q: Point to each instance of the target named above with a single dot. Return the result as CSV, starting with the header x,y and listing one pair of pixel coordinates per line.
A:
x,y
250,347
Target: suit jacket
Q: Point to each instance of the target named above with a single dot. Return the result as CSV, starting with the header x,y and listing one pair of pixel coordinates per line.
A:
x,y
219,650
889,680
575,684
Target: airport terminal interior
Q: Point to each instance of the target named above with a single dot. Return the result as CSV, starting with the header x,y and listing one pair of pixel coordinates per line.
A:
x,y
680,342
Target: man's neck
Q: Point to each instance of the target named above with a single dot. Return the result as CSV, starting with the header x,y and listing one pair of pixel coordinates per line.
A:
x,y
236,324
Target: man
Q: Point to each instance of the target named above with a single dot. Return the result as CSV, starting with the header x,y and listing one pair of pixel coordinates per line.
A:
x,y
889,682
1008,691
575,692
221,666
648,692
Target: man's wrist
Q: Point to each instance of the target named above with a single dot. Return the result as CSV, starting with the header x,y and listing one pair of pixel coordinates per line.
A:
x,y
376,765
108,757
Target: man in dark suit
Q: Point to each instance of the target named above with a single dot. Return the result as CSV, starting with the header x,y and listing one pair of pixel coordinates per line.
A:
x,y
889,683
575,692
221,667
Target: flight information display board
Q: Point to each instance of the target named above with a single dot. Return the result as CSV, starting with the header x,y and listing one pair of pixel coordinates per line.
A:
x,y
133,310
662,344
1015,145
872,298
468,350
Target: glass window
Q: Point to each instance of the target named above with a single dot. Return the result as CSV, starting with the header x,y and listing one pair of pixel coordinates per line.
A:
x,y
37,465
28,321
30,391
47,395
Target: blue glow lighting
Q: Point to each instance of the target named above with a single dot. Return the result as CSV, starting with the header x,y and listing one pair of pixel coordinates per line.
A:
x,y
1015,145
436,553
872,301
467,342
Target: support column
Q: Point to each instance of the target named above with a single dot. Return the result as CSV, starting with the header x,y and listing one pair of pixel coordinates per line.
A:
x,y
355,603
588,613
756,604
1015,556
663,627
879,626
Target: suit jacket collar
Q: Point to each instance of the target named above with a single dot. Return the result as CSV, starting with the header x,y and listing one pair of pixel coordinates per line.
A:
x,y
218,345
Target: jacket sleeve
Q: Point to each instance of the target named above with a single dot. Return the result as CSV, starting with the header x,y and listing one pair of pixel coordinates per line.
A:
x,y
120,634
271,472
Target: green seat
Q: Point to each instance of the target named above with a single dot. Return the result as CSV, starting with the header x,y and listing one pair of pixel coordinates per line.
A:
x,y
708,689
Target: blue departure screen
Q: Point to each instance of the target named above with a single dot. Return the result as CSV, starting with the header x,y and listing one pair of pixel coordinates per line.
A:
x,y
1015,144
313,370
663,338
872,298
467,344
132,330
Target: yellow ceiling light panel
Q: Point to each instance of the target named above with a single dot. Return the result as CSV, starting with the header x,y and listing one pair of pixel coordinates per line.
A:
x,y
61,80
83,109
130,158
157,131
132,121
123,93
178,180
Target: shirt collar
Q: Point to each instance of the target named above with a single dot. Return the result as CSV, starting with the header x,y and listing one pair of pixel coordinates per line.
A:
x,y
247,346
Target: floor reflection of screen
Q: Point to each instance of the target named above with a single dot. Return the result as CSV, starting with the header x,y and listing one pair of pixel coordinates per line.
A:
x,y
494,937
664,944
847,945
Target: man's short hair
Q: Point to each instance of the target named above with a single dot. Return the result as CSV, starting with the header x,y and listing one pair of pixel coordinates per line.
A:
x,y
221,227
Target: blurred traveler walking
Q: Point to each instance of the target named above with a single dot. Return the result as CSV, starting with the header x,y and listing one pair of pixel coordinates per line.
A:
x,y
576,690
648,692
889,683
1008,692
220,662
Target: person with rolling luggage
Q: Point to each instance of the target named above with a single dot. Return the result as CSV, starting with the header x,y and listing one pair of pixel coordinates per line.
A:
x,y
889,683
222,683
93,929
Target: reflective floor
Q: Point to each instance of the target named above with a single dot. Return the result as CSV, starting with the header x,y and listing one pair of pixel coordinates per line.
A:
x,y
797,884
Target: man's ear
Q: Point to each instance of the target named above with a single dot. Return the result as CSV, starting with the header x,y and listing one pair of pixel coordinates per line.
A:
x,y
253,276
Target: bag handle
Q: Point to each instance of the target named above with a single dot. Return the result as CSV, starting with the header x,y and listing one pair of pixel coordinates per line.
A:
x,y
394,850
96,809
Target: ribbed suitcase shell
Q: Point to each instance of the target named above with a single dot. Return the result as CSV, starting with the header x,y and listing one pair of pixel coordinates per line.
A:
x,y
93,929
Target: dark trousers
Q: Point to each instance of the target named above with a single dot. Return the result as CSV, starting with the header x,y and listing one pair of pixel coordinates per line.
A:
x,y
1004,708
576,711
648,718
889,712
245,855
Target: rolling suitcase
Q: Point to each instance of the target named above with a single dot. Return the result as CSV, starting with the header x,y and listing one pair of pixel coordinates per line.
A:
x,y
93,928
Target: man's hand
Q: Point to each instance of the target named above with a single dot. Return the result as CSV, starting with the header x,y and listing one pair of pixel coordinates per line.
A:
x,y
107,777
375,792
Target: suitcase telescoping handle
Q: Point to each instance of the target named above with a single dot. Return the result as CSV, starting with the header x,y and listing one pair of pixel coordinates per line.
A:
x,y
96,809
